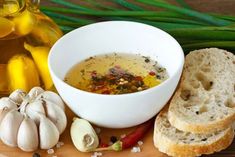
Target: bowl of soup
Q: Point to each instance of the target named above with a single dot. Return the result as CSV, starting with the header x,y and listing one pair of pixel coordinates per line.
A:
x,y
116,74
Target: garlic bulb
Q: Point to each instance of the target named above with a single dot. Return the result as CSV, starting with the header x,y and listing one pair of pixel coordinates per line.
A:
x,y
53,97
17,96
56,115
49,134
32,120
34,110
27,138
6,102
34,92
3,113
9,128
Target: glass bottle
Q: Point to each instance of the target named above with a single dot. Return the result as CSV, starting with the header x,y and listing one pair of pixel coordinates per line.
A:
x,y
26,36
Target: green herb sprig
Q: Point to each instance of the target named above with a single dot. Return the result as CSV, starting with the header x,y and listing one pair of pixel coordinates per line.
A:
x,y
191,28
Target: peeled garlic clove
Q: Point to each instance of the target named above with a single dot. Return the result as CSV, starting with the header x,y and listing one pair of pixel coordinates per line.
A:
x,y
53,97
56,115
27,138
9,128
83,135
34,92
6,102
48,133
17,96
34,110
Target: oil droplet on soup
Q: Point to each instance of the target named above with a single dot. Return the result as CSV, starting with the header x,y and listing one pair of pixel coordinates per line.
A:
x,y
116,73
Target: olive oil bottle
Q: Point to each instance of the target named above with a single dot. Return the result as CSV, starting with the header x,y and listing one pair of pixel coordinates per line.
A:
x,y
26,36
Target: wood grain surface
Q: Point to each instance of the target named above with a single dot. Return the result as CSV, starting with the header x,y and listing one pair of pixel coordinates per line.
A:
x,y
147,149
68,149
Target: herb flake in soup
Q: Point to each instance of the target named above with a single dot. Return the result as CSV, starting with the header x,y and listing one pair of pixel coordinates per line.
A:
x,y
116,73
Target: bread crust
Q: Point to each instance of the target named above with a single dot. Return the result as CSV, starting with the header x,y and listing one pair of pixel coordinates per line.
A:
x,y
176,149
200,128
179,119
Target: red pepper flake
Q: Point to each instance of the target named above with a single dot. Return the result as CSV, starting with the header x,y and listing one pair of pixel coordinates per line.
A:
x,y
123,81
93,73
138,78
106,92
152,73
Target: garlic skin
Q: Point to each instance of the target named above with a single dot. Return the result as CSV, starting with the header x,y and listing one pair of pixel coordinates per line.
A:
x,y
27,138
56,115
9,128
6,102
83,135
53,97
17,96
32,120
34,92
3,113
34,110
48,133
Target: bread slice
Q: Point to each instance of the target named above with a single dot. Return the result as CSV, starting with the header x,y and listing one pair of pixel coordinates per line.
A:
x,y
205,99
177,143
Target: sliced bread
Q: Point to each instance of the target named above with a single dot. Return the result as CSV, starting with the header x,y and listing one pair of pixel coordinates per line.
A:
x,y
205,99
177,143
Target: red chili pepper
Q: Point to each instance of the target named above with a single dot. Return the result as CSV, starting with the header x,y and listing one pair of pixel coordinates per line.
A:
x,y
130,139
152,73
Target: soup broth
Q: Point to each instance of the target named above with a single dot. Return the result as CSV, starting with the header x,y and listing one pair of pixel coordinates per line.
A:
x,y
116,73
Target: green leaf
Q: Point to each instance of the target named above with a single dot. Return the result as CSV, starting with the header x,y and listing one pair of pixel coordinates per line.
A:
x,y
228,45
100,5
70,5
128,5
202,34
69,18
183,4
188,12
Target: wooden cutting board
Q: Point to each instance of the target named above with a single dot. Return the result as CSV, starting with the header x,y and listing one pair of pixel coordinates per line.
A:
x,y
68,150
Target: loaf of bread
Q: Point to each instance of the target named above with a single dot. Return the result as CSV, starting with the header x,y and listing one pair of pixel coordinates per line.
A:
x,y
205,99
177,143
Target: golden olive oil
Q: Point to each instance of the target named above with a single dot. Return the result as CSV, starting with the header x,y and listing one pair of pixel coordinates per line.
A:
x,y
116,73
22,22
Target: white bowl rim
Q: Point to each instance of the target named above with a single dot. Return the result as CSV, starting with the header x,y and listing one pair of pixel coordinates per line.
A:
x,y
149,90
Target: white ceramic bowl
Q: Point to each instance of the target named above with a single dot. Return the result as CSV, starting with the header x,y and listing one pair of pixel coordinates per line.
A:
x,y
116,111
